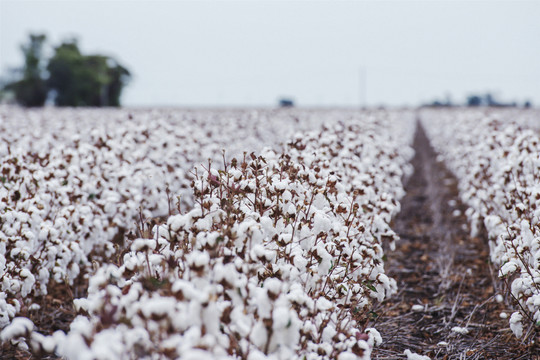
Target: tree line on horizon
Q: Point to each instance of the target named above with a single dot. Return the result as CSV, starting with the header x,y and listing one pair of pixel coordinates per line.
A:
x,y
67,78
475,100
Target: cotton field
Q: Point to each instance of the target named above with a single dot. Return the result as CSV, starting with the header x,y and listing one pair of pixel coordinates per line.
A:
x,y
241,234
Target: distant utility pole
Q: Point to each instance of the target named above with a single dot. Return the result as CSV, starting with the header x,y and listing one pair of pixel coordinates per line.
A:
x,y
362,86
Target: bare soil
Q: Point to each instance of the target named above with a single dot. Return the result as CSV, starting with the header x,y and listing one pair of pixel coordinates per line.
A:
x,y
438,265
56,313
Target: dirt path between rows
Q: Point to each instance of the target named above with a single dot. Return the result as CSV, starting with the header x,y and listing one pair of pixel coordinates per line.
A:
x,y
441,268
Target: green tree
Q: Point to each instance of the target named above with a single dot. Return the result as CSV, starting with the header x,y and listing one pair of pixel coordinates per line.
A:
x,y
71,78
85,80
119,76
64,68
31,90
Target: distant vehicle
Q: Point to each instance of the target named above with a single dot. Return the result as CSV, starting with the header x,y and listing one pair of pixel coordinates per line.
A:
x,y
286,102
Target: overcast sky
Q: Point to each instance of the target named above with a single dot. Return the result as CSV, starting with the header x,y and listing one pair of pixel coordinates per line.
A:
x,y
208,53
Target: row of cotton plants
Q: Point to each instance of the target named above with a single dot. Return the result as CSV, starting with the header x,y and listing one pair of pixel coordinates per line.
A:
x,y
497,164
279,257
73,183
167,142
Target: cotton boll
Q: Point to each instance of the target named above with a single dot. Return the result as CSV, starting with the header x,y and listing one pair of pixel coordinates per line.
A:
x,y
198,259
235,173
259,335
143,245
328,333
159,306
286,325
81,304
508,269
13,285
8,217
241,322
285,238
263,303
319,202
347,356
526,234
204,224
291,209
39,341
300,262
323,304
257,355
196,354
108,345
280,185
156,259
28,282
516,324
325,348
326,262
286,196
20,326
414,356
321,223
178,222
460,330
375,338
297,294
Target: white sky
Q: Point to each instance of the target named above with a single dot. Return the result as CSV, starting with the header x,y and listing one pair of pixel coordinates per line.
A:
x,y
208,53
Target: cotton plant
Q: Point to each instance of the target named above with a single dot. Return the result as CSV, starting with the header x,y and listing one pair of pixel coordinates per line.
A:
x,y
496,163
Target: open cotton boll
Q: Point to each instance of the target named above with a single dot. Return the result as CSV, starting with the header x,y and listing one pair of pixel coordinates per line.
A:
x,y
460,330
326,262
47,343
375,338
516,324
300,262
143,245
366,354
321,223
236,174
158,306
508,269
108,344
253,355
20,326
204,223
527,235
414,356
80,304
28,281
280,185
319,202
286,196
324,304
198,259
178,222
